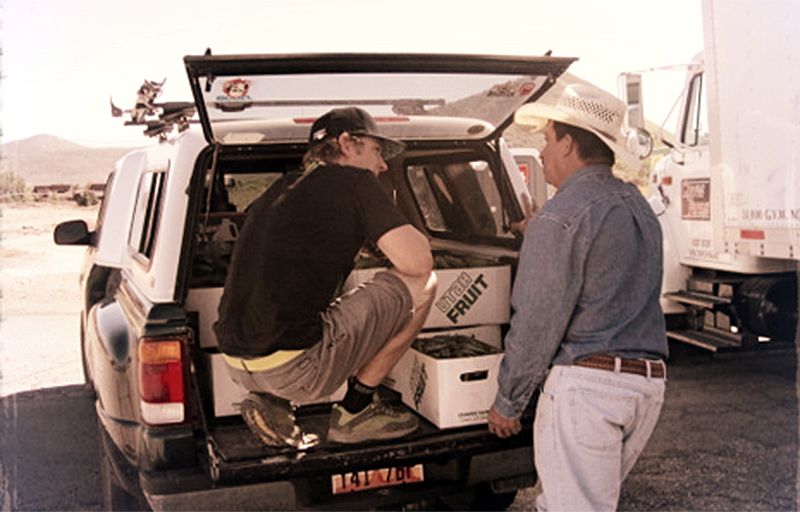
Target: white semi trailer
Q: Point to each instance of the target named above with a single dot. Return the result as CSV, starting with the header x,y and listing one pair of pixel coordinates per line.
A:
x,y
728,192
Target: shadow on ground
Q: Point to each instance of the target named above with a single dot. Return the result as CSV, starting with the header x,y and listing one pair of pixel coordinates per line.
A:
x,y
49,451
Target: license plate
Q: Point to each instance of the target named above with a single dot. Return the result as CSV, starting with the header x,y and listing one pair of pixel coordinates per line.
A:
x,y
376,478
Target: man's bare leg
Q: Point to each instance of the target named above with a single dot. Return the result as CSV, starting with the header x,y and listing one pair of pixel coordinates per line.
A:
x,y
422,291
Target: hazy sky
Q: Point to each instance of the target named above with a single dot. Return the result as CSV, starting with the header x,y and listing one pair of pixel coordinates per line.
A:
x,y
63,59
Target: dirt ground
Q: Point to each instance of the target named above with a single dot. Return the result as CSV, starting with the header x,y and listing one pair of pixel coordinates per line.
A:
x,y
40,297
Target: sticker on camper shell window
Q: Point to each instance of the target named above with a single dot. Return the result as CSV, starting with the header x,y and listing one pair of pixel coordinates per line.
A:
x,y
696,199
235,89
526,89
505,90
511,89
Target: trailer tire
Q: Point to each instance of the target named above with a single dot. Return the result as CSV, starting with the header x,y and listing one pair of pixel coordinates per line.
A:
x,y
767,306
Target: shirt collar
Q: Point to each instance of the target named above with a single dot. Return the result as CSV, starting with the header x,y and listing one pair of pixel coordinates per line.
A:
x,y
585,172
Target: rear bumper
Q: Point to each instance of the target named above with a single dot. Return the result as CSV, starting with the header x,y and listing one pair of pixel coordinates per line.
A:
x,y
505,471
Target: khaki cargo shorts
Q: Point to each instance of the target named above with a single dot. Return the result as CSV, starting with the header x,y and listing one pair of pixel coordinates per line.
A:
x,y
355,327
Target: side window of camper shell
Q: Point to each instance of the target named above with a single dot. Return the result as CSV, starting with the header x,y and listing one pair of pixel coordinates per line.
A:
x,y
458,198
147,212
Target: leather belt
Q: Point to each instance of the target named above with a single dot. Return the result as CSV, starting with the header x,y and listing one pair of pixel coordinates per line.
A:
x,y
650,368
259,364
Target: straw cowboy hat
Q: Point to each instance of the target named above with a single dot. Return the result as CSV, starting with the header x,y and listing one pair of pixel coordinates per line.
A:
x,y
592,109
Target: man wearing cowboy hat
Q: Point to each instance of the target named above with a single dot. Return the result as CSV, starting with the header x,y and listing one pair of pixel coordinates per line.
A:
x,y
587,325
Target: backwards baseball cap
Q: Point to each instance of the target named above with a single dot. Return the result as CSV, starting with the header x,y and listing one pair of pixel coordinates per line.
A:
x,y
354,121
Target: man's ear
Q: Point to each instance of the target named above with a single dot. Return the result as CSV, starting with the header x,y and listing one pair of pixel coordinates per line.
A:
x,y
346,144
566,145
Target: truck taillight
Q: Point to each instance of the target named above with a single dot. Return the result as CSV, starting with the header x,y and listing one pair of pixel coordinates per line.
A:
x,y
161,386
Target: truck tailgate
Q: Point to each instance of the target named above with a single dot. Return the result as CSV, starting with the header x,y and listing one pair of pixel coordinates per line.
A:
x,y
240,455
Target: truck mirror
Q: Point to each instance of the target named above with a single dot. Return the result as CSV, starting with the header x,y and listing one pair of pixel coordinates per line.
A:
x,y
640,142
72,232
631,85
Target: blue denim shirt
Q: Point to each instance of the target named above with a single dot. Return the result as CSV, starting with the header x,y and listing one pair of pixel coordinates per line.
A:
x,y
588,282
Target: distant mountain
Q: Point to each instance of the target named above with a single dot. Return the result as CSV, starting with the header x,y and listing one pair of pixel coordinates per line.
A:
x,y
48,160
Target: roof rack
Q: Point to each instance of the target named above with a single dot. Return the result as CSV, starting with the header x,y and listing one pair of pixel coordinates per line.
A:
x,y
404,106
159,118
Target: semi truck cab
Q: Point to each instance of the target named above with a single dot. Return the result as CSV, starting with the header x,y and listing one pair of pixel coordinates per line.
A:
x,y
726,191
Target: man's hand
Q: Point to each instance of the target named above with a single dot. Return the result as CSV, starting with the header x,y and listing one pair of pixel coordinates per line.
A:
x,y
530,209
501,426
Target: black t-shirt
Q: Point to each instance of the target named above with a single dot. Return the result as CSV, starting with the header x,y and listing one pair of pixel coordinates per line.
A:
x,y
297,246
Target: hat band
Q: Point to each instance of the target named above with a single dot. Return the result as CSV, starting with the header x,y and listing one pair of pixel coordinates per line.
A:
x,y
606,134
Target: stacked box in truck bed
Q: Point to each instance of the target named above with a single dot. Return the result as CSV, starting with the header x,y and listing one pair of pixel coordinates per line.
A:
x,y
470,301
450,377
465,296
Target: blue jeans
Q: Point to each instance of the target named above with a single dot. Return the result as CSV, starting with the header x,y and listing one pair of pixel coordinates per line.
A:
x,y
591,426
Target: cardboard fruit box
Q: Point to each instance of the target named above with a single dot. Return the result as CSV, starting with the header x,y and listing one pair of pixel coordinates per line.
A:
x,y
450,379
464,296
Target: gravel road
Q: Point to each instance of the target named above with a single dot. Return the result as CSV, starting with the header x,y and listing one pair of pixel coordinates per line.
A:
x,y
39,326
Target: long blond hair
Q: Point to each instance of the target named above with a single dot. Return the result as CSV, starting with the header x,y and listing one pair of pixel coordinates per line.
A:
x,y
327,151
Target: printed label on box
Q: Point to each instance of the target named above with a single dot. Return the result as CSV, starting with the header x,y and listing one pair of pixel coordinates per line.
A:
x,y
464,293
466,296
417,381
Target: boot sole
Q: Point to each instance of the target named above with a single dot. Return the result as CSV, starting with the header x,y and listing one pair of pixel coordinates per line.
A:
x,y
257,412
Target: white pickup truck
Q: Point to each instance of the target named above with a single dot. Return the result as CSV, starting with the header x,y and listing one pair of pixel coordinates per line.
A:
x,y
158,258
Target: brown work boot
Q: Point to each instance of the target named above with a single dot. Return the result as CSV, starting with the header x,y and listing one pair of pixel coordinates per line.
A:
x,y
376,421
272,420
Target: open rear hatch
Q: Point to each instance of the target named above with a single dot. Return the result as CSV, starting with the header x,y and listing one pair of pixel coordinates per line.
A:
x,y
251,90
